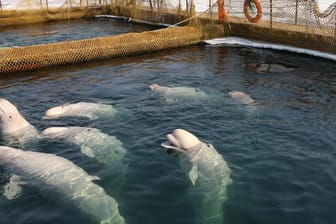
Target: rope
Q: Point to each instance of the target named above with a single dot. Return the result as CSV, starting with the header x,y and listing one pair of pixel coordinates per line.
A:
x,y
193,17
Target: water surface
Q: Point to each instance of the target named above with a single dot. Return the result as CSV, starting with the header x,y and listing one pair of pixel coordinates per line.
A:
x,y
56,31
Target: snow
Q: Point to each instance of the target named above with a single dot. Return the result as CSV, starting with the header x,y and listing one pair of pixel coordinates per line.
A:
x,y
324,4
237,41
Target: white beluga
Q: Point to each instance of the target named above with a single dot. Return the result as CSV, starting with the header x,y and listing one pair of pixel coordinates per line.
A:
x,y
14,128
58,178
181,92
207,171
106,149
242,97
89,110
92,141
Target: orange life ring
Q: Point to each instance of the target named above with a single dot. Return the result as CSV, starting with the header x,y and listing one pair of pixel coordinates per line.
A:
x,y
247,11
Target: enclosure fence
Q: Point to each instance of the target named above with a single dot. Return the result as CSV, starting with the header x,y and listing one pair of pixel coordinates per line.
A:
x,y
298,23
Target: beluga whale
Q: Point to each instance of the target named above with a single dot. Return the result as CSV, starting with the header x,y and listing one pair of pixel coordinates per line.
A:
x,y
15,129
106,149
172,94
242,97
58,178
92,111
93,143
208,173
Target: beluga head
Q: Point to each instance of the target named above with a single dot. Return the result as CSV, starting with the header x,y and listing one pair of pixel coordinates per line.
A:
x,y
182,141
11,120
154,87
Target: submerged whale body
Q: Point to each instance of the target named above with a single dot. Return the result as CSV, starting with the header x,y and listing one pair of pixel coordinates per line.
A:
x,y
14,128
92,111
207,171
93,142
181,92
60,176
242,97
106,149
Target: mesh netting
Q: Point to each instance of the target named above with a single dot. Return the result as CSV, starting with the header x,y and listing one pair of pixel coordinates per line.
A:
x,y
299,23
24,5
38,56
295,12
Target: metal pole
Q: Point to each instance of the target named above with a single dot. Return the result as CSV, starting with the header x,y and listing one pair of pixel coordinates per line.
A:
x,y
271,13
151,5
190,9
335,24
47,5
0,5
179,7
228,6
296,11
187,6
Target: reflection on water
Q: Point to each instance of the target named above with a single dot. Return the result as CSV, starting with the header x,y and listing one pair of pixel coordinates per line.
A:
x,y
267,68
282,156
42,33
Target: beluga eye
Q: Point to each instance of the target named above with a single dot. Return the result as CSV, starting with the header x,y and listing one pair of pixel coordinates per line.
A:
x,y
10,117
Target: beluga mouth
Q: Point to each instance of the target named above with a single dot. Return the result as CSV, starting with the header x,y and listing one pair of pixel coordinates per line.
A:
x,y
170,146
181,141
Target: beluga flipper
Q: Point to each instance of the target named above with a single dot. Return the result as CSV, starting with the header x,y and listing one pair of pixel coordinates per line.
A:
x,y
13,188
208,172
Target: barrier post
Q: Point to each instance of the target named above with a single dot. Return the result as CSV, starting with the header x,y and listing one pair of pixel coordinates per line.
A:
x,y
191,9
296,11
151,5
335,24
271,13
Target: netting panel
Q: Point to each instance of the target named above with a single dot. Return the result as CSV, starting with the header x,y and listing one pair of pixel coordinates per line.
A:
x,y
296,12
38,56
23,5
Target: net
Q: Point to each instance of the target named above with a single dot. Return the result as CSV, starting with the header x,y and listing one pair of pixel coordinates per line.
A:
x,y
298,23
70,52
